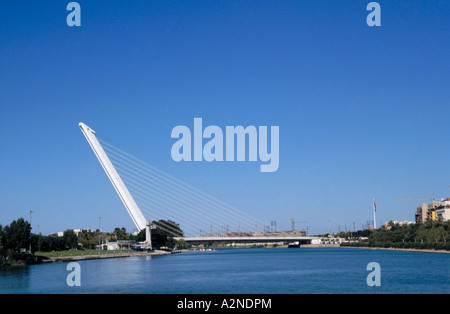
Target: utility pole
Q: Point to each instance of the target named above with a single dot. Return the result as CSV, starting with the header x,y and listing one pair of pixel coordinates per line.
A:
x,y
30,211
292,223
99,233
273,226
329,226
374,213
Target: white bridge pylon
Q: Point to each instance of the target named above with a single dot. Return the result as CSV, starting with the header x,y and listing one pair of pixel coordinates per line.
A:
x,y
120,187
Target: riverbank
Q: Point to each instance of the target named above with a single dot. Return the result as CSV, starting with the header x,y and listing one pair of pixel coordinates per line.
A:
x,y
338,246
104,256
278,246
398,249
68,256
319,245
73,256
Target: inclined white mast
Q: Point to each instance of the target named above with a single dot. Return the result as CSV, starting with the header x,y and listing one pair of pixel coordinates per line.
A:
x,y
131,206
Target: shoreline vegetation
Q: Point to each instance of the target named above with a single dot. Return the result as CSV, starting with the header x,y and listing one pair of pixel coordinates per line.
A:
x,y
428,237
433,236
17,242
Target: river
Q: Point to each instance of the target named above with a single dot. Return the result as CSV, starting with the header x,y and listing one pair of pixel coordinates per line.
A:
x,y
246,271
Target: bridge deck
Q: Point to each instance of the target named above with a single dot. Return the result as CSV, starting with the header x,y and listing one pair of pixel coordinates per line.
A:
x,y
304,239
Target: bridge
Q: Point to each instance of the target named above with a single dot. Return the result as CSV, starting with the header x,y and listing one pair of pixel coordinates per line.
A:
x,y
249,239
144,188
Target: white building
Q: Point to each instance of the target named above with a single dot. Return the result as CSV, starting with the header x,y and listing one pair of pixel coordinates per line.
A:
x,y
443,213
78,232
120,245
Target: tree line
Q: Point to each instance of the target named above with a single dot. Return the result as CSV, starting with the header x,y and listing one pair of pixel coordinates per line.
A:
x,y
428,235
13,238
16,237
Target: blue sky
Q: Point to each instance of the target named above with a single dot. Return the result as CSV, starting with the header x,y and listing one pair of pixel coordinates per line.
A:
x,y
362,111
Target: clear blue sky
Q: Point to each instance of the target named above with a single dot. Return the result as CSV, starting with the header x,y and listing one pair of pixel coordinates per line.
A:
x,y
363,112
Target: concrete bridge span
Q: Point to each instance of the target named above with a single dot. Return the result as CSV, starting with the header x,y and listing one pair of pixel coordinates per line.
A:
x,y
249,239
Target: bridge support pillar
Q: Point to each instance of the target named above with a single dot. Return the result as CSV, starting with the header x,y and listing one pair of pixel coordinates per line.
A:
x,y
148,234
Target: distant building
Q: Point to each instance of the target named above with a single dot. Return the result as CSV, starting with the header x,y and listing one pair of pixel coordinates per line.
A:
x,y
327,241
388,226
443,213
120,245
433,211
78,232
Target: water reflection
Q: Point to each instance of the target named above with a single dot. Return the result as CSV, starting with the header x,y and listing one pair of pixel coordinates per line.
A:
x,y
14,277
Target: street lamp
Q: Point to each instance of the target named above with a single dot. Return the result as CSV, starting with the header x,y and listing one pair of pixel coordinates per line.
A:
x,y
30,211
99,234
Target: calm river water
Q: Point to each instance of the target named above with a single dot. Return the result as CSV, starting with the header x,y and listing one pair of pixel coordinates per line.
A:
x,y
254,271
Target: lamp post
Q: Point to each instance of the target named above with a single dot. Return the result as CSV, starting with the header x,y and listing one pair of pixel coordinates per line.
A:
x,y
30,211
99,234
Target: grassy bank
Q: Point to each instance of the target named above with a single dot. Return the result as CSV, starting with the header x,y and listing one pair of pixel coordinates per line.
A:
x,y
68,253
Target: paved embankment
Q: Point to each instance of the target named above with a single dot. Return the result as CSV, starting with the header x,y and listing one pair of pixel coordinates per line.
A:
x,y
398,249
102,256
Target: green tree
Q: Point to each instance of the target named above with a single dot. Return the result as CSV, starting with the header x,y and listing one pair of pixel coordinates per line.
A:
x,y
51,243
88,240
2,247
120,234
140,237
181,244
70,239
166,230
17,236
